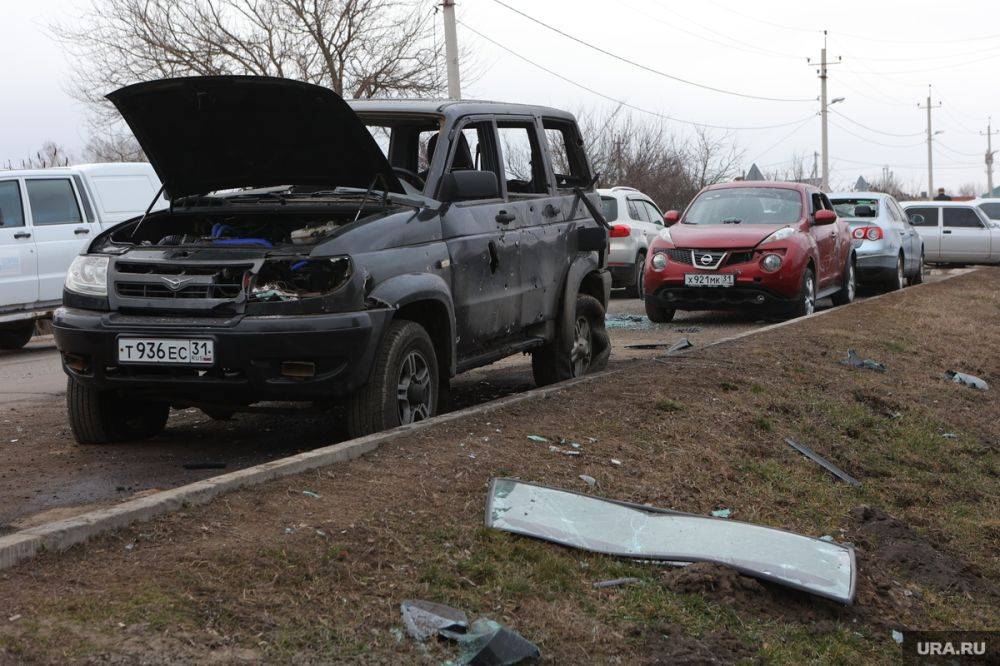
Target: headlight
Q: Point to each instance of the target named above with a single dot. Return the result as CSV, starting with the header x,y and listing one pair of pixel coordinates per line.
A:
x,y
296,278
665,235
659,261
779,235
771,262
88,275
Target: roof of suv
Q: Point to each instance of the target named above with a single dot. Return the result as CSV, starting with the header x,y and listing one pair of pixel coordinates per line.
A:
x,y
454,108
857,195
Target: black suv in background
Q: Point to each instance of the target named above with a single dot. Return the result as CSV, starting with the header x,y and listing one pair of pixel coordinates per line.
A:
x,y
325,252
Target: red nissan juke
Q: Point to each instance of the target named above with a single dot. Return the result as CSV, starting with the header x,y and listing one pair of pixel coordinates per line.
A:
x,y
773,246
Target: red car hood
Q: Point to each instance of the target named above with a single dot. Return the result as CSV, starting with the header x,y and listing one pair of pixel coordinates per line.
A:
x,y
721,236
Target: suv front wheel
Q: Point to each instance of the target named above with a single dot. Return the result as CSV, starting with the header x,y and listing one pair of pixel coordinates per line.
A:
x,y
104,417
577,351
404,384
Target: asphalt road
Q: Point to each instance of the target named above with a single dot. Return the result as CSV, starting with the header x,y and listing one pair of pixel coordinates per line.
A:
x,y
45,476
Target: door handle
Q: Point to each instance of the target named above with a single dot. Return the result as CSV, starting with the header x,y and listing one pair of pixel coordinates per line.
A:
x,y
503,217
833,234
946,231
81,230
22,234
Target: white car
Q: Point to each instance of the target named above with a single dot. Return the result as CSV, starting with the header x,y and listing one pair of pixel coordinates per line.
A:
x,y
990,206
954,232
635,221
46,217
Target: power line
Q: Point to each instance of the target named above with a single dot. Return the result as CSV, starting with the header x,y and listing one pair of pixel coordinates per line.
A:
x,y
872,129
908,166
782,140
877,143
619,101
646,67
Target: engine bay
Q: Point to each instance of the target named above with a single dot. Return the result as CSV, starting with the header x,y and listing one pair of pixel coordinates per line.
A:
x,y
261,229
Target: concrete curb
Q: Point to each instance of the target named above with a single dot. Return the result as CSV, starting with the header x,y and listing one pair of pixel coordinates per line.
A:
x,y
60,535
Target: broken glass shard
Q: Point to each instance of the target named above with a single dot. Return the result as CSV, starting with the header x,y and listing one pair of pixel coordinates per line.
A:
x,y
967,380
631,530
490,643
424,619
855,361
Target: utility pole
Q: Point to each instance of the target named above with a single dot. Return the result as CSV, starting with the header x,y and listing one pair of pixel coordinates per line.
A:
x,y
824,113
989,156
451,49
930,144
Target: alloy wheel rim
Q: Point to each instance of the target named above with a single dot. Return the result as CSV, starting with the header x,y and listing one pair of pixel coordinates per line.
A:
x,y
640,275
851,285
581,353
810,296
413,389
900,274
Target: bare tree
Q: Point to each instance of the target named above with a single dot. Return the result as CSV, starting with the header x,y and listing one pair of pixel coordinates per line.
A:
x,y
51,154
712,158
359,48
970,190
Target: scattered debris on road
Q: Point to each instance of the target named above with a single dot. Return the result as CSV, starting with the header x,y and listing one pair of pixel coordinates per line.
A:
x,y
823,462
967,380
309,493
683,343
949,435
627,322
589,480
424,619
616,462
537,438
688,329
615,582
631,530
205,465
565,452
721,513
855,361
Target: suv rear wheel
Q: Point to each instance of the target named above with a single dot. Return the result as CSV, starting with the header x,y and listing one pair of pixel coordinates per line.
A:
x,y
103,417
404,384
635,291
17,335
575,352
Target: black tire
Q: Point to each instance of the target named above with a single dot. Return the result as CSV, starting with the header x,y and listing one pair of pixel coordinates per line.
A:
x,y
635,290
898,280
805,303
918,277
847,290
659,315
580,347
17,336
406,349
102,417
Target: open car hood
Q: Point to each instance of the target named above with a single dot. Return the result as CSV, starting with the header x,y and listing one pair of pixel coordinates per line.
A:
x,y
204,134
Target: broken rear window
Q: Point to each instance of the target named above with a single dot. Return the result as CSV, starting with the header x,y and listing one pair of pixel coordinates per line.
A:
x,y
609,206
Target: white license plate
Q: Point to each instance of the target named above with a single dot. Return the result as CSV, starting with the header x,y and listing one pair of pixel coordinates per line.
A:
x,y
708,280
168,351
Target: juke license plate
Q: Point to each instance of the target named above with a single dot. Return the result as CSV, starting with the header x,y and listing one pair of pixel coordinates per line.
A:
x,y
708,280
166,351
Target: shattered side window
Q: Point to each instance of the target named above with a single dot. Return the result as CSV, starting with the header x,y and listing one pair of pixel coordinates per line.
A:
x,y
609,207
566,151
382,137
523,167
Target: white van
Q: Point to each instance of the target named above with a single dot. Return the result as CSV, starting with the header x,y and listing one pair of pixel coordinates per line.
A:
x,y
46,216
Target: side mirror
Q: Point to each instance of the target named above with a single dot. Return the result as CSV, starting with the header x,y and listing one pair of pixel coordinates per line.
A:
x,y
671,217
825,217
469,184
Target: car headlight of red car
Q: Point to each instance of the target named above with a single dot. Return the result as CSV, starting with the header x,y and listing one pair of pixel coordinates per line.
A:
x,y
659,261
779,235
771,262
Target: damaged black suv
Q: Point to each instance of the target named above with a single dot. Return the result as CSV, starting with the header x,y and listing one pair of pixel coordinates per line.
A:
x,y
329,253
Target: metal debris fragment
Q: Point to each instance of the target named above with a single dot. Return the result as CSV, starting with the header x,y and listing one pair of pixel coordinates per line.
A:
x,y
537,438
855,361
589,480
611,527
424,619
616,462
721,513
967,380
683,343
949,435
688,329
823,462
309,493
616,582
489,643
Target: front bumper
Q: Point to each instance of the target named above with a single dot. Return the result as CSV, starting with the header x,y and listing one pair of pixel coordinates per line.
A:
x,y
738,297
249,352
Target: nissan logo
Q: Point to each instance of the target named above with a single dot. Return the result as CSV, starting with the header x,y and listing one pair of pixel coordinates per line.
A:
x,y
706,259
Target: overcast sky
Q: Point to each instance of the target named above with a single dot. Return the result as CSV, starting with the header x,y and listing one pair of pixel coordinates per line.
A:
x,y
757,49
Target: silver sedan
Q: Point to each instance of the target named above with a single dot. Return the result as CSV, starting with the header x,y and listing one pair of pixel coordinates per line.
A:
x,y
889,250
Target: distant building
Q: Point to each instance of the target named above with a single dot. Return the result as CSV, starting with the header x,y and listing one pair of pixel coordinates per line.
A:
x,y
862,185
754,174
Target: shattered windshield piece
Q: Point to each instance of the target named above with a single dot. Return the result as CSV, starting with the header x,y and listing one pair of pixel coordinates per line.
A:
x,y
631,530
967,380
424,619
823,462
